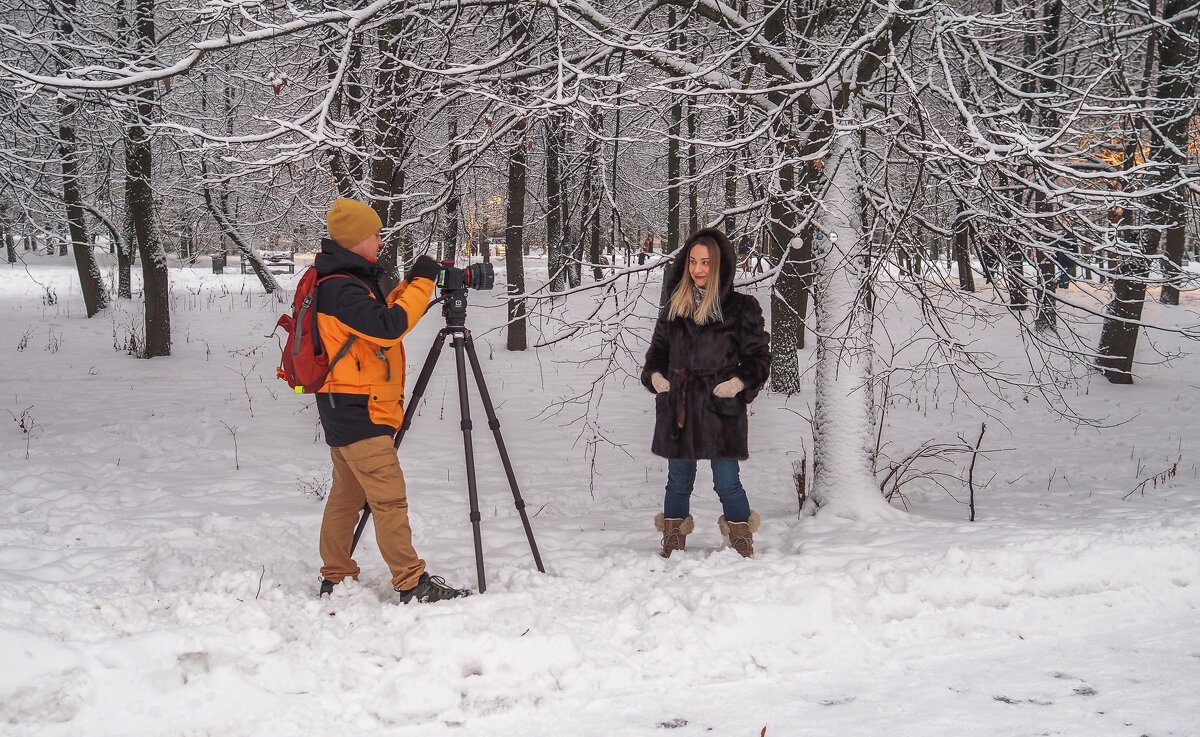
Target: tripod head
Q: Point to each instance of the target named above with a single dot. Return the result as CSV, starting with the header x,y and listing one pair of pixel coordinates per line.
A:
x,y
454,307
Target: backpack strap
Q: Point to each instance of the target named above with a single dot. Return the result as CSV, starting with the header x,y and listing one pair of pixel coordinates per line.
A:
x,y
349,341
347,276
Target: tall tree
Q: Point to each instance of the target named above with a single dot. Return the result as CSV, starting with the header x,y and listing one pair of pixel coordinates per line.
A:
x,y
556,203
95,298
139,194
1174,43
1176,110
514,233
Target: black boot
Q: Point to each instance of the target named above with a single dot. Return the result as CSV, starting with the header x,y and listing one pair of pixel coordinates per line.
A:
x,y
326,587
431,588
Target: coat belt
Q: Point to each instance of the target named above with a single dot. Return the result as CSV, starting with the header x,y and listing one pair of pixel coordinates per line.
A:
x,y
679,386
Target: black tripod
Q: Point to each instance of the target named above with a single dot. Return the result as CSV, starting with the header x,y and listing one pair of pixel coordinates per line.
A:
x,y
454,308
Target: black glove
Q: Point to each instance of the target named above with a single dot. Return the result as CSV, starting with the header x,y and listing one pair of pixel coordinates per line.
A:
x,y
424,268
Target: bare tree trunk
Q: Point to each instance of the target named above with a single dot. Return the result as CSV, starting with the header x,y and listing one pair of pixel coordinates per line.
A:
x,y
693,161
449,249
786,327
592,194
140,198
843,418
556,257
616,230
729,222
1118,336
393,121
674,125
1176,81
10,245
1046,317
514,233
964,232
593,212
125,252
90,281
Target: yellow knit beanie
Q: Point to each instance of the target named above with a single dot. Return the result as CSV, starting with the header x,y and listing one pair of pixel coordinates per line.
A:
x,y
351,222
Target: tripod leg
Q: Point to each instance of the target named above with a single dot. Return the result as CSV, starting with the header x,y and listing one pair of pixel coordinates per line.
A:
x,y
362,524
418,391
494,424
472,490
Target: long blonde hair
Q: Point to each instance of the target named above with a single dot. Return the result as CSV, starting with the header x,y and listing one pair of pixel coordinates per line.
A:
x,y
682,303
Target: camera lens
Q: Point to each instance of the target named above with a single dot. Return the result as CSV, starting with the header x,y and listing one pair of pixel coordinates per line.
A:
x,y
480,276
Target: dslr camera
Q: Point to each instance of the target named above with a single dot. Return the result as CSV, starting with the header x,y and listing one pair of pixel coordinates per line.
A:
x,y
475,276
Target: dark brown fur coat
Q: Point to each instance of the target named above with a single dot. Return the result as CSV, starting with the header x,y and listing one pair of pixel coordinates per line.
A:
x,y
689,421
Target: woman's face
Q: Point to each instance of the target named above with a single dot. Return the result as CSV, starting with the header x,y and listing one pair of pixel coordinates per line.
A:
x,y
699,264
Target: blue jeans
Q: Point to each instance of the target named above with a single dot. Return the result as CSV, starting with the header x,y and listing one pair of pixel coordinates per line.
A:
x,y
681,478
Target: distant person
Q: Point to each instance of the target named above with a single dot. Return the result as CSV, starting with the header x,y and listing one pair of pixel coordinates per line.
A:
x,y
744,253
362,402
1066,255
647,249
708,358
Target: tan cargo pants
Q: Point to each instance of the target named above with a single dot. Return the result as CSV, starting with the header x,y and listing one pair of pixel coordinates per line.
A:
x,y
368,471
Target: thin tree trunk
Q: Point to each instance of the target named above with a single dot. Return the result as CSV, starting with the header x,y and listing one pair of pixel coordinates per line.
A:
x,y
674,166
590,218
729,221
393,121
90,281
788,294
1176,81
693,161
126,248
556,259
514,233
449,249
616,229
140,198
964,232
1046,317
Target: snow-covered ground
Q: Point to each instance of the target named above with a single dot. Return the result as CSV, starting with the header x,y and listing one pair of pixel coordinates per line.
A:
x,y
158,561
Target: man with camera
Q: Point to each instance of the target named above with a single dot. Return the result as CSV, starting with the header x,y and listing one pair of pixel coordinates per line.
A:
x,y
361,403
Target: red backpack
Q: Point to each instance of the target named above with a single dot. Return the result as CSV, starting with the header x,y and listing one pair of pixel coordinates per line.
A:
x,y
305,364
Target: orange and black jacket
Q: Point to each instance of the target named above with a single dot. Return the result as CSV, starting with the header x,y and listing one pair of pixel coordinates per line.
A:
x,y
360,328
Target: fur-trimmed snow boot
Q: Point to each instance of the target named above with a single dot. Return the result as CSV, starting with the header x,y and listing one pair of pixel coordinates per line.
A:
x,y
675,532
740,534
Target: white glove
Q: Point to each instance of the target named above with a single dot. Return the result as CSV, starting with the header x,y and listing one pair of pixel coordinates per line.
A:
x,y
660,382
729,389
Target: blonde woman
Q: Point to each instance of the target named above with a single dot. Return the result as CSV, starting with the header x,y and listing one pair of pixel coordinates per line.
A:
x,y
709,357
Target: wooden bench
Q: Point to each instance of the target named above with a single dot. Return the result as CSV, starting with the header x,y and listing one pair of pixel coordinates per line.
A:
x,y
275,261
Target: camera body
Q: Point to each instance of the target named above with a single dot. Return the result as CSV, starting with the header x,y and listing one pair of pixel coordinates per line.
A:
x,y
475,276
